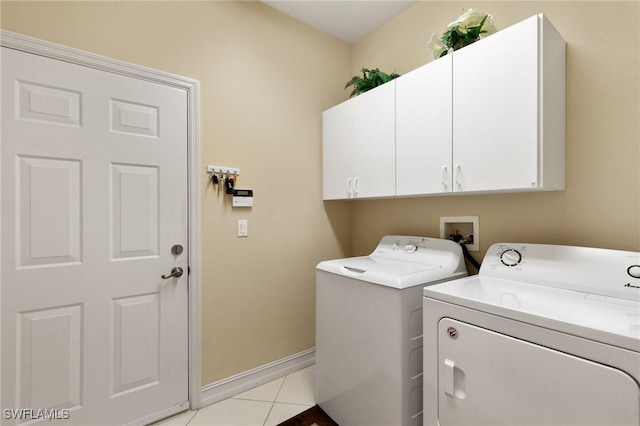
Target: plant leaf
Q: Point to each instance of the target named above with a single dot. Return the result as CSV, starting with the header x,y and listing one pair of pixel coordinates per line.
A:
x,y
352,81
369,80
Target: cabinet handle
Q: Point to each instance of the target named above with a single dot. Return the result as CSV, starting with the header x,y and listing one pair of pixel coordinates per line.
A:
x,y
349,191
356,185
458,174
445,176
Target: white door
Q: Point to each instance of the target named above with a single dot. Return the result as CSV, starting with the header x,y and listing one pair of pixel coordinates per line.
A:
x,y
358,146
94,196
495,111
337,151
374,150
423,129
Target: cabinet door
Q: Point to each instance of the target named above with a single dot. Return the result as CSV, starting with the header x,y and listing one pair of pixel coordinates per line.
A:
x,y
374,142
423,129
495,111
337,151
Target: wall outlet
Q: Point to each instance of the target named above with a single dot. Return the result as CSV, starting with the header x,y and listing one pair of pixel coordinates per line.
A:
x,y
464,226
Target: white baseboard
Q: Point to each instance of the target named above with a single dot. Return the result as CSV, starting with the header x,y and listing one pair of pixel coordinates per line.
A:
x,y
226,388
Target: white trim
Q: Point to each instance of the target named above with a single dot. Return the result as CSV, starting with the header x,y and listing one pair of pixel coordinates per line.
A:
x,y
192,87
168,412
92,60
226,388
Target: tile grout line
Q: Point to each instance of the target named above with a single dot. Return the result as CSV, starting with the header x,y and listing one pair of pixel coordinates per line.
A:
x,y
274,401
192,417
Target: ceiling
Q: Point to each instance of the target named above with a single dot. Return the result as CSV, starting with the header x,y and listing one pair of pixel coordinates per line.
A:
x,y
348,20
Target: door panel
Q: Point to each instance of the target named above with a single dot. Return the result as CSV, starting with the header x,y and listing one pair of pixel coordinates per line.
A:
x,y
127,117
134,196
94,195
51,186
48,104
50,346
487,378
136,342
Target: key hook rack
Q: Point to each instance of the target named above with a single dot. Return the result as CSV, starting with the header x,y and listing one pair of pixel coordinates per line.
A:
x,y
226,175
222,170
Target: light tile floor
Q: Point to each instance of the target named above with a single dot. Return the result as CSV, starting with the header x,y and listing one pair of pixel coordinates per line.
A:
x,y
266,405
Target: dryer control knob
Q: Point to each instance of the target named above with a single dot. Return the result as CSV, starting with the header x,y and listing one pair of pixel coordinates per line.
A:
x,y
634,271
510,257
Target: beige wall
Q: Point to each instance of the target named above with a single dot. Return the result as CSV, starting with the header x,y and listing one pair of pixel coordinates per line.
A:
x,y
601,204
265,80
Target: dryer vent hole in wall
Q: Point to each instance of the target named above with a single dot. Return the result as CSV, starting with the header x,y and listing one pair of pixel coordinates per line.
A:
x,y
461,229
460,238
465,231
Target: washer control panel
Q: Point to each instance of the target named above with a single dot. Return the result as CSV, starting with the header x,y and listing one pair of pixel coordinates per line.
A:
x,y
408,245
408,248
416,249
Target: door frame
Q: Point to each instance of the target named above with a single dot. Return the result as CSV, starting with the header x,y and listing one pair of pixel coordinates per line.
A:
x,y
192,87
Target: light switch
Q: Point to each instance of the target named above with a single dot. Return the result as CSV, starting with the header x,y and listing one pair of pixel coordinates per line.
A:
x,y
243,228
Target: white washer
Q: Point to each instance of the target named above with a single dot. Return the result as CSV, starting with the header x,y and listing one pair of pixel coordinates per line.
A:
x,y
369,329
544,335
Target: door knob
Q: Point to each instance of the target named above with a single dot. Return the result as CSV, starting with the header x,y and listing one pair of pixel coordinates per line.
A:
x,y
175,273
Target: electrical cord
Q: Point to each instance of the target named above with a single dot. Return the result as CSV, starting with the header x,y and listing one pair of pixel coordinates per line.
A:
x,y
468,256
465,252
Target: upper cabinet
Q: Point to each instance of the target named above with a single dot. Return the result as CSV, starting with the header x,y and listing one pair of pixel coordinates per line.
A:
x,y
358,151
509,110
424,129
488,118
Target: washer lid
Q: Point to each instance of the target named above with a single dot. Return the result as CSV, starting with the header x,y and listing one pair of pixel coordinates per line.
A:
x,y
391,273
600,318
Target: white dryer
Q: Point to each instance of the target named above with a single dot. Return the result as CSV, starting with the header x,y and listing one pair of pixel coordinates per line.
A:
x,y
544,335
369,329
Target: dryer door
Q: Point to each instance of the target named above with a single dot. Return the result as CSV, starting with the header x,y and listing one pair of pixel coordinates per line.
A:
x,y
487,378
